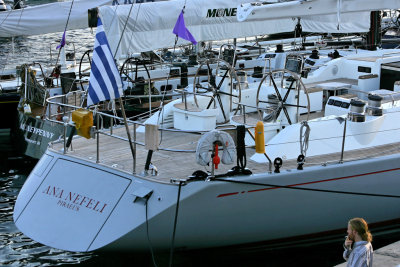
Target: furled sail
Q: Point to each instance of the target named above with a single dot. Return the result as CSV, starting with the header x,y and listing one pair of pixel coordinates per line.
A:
x,y
260,11
149,25
47,18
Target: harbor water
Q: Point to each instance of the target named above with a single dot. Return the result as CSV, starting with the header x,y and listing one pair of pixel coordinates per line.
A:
x,y
42,49
19,250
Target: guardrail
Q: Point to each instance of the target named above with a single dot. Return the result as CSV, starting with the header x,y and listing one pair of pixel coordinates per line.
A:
x,y
100,129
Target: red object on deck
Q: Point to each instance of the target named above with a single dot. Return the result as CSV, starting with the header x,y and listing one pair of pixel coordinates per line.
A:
x,y
216,159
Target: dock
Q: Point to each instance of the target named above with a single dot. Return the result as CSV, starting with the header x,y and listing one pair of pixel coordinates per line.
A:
x,y
386,256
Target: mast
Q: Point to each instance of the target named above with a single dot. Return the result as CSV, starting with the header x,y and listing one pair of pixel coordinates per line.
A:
x,y
374,38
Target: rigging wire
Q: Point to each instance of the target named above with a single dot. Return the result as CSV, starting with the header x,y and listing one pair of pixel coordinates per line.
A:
x,y
175,222
134,27
162,102
126,22
10,11
123,30
65,30
12,42
148,236
114,16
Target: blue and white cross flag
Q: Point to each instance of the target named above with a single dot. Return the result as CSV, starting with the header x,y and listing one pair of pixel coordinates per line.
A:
x,y
105,82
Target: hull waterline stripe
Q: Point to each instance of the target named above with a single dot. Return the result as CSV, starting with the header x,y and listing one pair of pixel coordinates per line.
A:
x,y
271,187
228,194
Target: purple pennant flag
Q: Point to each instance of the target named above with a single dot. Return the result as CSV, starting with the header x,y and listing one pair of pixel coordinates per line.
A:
x,y
181,31
62,43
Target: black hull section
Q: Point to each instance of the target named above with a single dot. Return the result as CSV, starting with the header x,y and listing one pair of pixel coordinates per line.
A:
x,y
8,110
33,135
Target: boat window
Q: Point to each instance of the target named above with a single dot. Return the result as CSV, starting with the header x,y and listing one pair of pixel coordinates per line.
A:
x,y
169,87
337,103
309,62
270,55
345,105
174,72
293,64
330,101
364,69
7,76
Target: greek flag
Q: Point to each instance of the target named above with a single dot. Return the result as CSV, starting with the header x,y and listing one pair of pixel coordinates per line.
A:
x,y
104,82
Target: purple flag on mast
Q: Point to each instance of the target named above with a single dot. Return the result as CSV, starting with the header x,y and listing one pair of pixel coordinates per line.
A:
x,y
62,43
181,31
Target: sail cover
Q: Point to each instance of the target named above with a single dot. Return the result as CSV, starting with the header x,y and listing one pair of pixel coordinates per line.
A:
x,y
47,18
261,10
149,25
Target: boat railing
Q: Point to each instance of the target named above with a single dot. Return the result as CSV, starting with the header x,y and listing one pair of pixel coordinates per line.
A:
x,y
151,66
59,106
394,53
341,154
167,94
115,131
108,129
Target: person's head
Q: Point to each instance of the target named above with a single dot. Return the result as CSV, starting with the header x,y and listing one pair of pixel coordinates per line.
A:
x,y
359,227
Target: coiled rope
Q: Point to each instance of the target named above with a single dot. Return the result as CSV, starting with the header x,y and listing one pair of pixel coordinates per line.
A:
x,y
304,137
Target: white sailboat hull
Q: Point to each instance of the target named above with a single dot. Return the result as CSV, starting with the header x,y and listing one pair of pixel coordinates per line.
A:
x,y
97,206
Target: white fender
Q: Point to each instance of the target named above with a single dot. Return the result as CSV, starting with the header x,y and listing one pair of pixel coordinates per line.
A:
x,y
206,143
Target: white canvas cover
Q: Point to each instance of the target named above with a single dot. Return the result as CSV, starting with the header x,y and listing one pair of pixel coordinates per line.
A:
x,y
47,18
260,11
150,25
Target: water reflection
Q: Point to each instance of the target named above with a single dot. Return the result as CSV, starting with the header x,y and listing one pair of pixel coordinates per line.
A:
x,y
42,49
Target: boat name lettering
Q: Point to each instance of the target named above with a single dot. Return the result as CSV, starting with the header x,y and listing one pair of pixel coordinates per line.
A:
x,y
37,131
221,12
32,141
68,205
74,201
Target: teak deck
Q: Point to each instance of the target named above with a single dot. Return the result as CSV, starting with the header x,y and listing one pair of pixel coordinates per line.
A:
x,y
116,153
